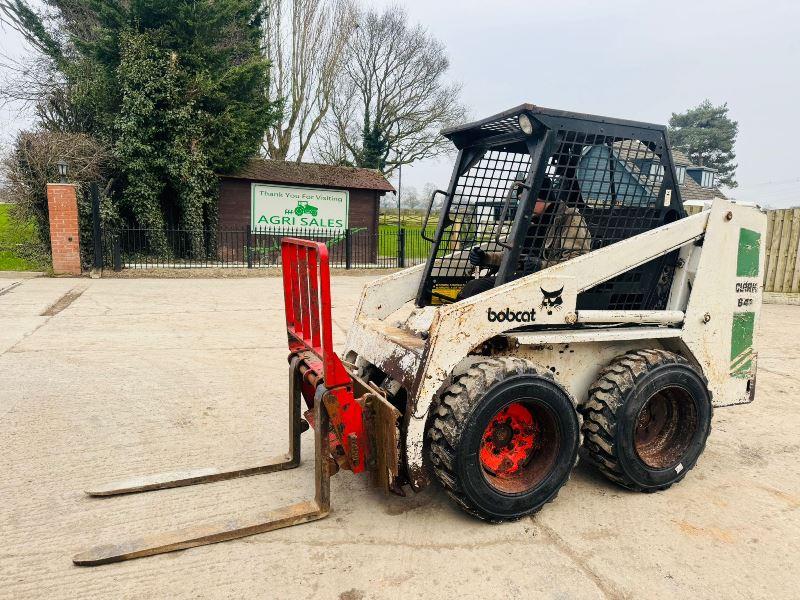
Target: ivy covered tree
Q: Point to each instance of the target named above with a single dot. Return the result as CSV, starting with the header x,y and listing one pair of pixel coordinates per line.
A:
x,y
372,154
707,135
175,88
156,144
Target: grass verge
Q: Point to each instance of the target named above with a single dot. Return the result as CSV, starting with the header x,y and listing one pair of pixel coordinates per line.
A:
x,y
17,243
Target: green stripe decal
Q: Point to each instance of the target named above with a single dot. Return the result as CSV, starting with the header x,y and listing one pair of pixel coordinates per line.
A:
x,y
749,248
742,343
739,360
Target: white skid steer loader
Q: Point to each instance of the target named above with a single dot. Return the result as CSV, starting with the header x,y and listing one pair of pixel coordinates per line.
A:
x,y
568,305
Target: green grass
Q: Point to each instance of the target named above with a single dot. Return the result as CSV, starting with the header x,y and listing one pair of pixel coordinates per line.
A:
x,y
13,236
416,247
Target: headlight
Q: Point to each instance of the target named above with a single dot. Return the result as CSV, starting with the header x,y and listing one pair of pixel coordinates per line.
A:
x,y
525,124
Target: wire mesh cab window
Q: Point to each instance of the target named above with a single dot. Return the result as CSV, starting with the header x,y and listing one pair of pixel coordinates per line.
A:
x,y
589,182
628,201
473,215
597,190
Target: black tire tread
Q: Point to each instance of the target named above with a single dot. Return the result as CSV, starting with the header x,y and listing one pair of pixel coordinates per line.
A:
x,y
606,396
450,414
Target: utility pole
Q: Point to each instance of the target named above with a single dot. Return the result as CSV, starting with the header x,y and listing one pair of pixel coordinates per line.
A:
x,y
399,196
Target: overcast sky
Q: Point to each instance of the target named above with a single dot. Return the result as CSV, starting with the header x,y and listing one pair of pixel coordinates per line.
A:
x,y
635,60
623,58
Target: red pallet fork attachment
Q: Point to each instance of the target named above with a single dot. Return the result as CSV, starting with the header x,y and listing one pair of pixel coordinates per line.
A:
x,y
316,373
307,297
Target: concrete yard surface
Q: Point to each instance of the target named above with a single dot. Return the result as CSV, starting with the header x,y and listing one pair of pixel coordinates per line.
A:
x,y
110,378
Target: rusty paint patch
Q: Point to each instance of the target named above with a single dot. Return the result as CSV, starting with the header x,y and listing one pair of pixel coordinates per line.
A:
x,y
381,419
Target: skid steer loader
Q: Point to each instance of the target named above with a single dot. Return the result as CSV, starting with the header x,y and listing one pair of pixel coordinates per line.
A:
x,y
608,324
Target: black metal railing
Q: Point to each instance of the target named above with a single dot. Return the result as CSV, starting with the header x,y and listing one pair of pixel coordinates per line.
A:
x,y
354,248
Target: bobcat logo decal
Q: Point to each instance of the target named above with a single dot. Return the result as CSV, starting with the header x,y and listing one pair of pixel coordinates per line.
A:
x,y
552,300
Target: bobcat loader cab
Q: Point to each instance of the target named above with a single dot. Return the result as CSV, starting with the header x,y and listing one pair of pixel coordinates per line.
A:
x,y
617,348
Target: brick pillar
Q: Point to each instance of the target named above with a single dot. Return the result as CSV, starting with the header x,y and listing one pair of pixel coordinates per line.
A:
x,y
62,202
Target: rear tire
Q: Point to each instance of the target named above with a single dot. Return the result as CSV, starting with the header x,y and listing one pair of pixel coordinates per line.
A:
x,y
647,420
503,439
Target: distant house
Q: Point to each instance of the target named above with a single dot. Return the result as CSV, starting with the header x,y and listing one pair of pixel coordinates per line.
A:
x,y
697,184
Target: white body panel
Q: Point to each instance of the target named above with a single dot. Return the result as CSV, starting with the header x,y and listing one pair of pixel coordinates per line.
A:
x,y
577,365
699,323
718,295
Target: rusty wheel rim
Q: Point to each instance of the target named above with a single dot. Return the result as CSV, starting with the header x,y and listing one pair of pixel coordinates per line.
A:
x,y
519,447
665,427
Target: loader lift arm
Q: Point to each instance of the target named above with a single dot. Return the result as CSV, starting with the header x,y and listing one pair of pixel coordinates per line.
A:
x,y
315,372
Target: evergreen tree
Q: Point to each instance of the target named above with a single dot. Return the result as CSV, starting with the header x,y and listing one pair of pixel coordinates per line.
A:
x,y
706,134
176,88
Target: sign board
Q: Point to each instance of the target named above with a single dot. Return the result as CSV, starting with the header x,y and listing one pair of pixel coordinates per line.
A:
x,y
282,206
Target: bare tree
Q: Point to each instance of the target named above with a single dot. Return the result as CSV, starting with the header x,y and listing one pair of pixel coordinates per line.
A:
x,y
305,40
21,16
37,81
427,192
31,162
26,81
389,203
412,201
393,99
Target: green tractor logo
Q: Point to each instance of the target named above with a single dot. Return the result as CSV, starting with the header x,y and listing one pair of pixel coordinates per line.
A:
x,y
304,208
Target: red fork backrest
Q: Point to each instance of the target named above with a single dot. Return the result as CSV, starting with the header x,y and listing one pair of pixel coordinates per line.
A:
x,y
307,301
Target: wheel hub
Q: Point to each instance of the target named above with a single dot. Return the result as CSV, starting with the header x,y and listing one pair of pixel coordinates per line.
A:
x,y
664,428
502,434
652,420
508,441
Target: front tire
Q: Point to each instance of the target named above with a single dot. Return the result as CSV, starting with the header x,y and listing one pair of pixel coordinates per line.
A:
x,y
647,420
503,439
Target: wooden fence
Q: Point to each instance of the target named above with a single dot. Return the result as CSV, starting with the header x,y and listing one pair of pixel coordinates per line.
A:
x,y
783,236
782,272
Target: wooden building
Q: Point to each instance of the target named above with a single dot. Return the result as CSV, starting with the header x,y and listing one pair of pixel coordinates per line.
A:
x,y
269,198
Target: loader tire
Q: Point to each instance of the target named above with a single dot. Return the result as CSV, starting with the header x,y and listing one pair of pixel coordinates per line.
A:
x,y
503,438
647,420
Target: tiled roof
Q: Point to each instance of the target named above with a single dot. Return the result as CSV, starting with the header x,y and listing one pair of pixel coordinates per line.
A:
x,y
279,171
680,159
690,189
